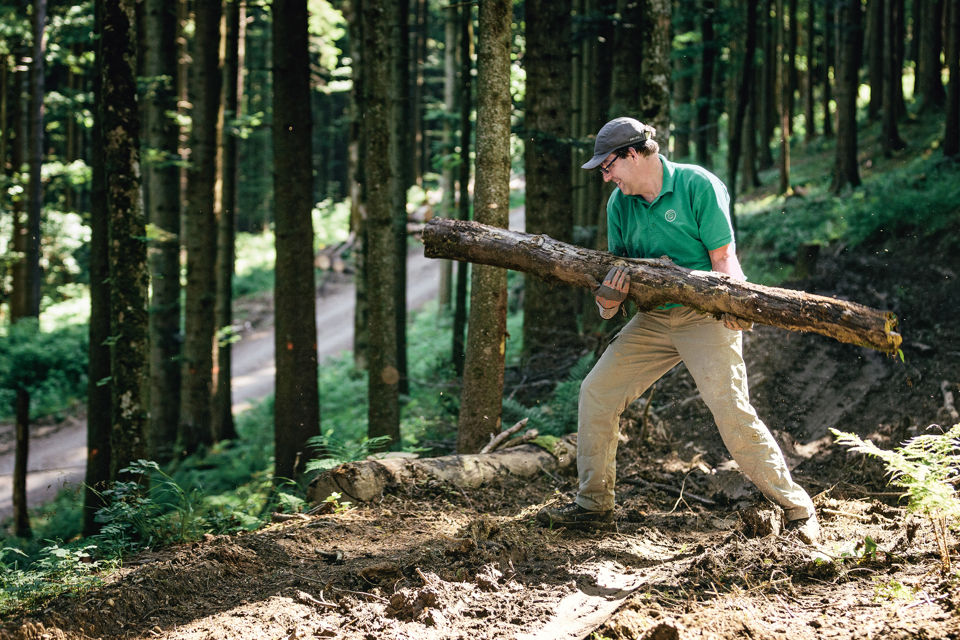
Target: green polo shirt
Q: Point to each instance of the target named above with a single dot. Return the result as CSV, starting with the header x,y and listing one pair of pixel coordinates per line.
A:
x,y
686,221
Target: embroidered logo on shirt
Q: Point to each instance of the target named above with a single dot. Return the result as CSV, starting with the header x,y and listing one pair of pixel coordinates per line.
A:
x,y
670,215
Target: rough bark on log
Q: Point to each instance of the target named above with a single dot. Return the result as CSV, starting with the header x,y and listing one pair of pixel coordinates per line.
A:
x,y
370,479
654,282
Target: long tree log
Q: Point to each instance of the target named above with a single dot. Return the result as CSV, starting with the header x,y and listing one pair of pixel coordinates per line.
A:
x,y
370,479
659,281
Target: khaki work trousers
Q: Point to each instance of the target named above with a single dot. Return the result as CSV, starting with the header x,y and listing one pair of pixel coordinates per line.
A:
x,y
649,346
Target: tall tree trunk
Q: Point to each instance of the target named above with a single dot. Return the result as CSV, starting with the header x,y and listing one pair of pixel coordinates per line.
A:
x,y
201,233
846,171
35,144
27,239
297,402
481,398
745,90
767,107
811,76
161,177
129,278
99,382
705,120
829,58
626,81
358,185
222,424
927,34
683,85
951,136
792,76
21,517
448,198
406,138
549,316
382,176
463,181
656,36
875,54
786,98
890,138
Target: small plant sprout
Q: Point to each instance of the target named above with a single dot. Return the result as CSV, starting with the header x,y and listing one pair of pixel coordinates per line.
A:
x,y
335,505
927,467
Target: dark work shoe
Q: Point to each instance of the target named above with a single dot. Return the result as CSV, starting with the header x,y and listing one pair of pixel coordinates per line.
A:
x,y
573,515
806,529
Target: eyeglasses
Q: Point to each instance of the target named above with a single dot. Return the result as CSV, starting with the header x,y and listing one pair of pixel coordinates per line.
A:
x,y
605,170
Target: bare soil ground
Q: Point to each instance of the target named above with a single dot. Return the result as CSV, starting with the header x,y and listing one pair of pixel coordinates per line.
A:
x,y
695,552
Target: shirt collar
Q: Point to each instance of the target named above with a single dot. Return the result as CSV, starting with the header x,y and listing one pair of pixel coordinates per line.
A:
x,y
669,176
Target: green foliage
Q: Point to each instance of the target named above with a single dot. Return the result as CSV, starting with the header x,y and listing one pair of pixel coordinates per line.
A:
x,y
147,514
928,468
557,416
337,452
920,197
58,569
51,365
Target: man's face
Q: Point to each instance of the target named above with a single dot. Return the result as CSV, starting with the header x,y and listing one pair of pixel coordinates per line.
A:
x,y
619,170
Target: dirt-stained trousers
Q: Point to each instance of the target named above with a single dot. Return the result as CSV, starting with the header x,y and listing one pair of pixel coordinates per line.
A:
x,y
649,346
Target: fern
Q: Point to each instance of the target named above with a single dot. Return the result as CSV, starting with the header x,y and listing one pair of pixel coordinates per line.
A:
x,y
927,467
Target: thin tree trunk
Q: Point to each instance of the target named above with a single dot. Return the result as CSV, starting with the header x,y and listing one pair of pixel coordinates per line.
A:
x,y
222,424
705,93
751,178
875,43
35,143
481,397
927,34
21,518
951,136
128,255
358,186
296,415
448,198
829,58
405,162
161,177
382,176
548,313
201,234
466,106
628,58
745,90
786,99
892,82
846,170
767,118
683,88
99,383
792,75
808,121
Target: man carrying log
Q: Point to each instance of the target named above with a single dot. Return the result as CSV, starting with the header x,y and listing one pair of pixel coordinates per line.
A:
x,y
658,209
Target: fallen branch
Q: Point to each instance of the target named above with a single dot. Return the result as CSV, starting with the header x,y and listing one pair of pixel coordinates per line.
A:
x,y
656,282
503,435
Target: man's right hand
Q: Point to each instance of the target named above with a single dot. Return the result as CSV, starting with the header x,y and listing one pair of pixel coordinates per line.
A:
x,y
613,291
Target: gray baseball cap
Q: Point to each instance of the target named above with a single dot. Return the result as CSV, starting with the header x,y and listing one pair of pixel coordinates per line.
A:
x,y
618,133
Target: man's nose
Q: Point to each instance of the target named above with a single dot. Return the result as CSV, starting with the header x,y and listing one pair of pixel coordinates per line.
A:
x,y
606,176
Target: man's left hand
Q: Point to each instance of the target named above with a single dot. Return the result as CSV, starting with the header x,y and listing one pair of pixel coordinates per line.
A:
x,y
734,323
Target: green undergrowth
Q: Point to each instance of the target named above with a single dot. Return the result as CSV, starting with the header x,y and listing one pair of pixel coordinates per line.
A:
x,y
915,194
